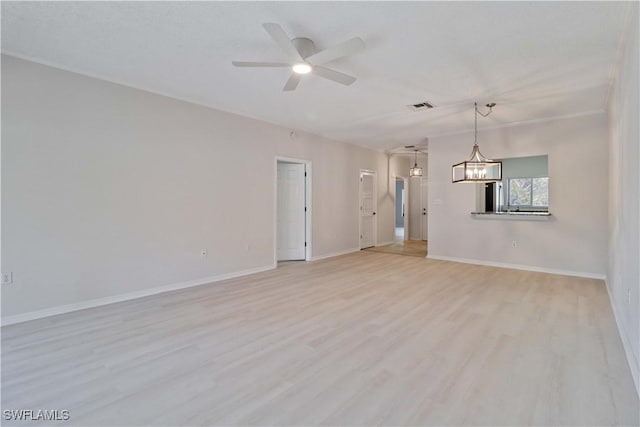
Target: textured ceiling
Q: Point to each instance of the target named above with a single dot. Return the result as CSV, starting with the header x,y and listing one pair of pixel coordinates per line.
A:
x,y
536,60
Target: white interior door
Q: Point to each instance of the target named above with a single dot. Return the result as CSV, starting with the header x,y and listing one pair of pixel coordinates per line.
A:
x,y
291,212
415,208
424,197
405,202
367,209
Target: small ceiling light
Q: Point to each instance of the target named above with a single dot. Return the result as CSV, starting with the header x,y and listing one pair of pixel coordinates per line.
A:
x,y
415,170
478,168
302,68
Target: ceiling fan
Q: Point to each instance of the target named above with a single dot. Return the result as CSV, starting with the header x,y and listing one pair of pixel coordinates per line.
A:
x,y
303,58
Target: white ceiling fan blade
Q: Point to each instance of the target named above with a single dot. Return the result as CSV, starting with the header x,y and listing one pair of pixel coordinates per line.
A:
x,y
260,64
292,83
333,75
280,37
345,48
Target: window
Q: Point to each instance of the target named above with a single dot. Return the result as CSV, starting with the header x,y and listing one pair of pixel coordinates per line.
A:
x,y
528,192
524,187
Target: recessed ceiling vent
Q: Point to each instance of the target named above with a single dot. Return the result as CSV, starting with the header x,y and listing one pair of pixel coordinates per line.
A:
x,y
421,106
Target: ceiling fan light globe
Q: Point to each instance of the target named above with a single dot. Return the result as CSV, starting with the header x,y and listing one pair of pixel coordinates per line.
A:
x,y
301,68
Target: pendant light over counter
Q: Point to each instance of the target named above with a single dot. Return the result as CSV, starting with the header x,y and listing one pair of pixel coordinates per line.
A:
x,y
478,168
415,170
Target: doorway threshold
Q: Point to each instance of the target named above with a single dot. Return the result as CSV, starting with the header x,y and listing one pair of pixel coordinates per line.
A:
x,y
417,248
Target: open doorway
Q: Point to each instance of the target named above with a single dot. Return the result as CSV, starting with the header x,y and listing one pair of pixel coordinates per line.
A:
x,y
293,210
400,209
409,188
410,206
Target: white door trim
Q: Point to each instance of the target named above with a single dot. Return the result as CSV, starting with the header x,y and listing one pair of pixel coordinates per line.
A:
x,y
308,199
406,208
405,218
375,208
424,208
405,222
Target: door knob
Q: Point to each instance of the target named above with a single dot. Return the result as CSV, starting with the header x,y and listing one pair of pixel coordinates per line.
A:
x,y
374,213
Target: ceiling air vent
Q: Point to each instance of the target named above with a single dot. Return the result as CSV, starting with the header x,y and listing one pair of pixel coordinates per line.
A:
x,y
421,106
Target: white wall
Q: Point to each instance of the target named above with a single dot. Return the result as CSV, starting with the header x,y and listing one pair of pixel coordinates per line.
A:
x,y
400,165
623,276
574,240
109,190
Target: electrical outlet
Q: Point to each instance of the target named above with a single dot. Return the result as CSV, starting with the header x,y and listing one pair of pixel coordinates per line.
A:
x,y
7,278
203,253
514,244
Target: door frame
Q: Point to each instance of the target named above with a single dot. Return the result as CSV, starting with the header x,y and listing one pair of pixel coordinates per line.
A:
x,y
424,208
307,202
375,209
405,219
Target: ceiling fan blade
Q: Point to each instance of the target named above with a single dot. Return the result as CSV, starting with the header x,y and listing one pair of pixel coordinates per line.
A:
x,y
280,37
260,64
333,75
345,48
292,83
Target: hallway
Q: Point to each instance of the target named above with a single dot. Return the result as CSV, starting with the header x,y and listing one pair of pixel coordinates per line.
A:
x,y
417,248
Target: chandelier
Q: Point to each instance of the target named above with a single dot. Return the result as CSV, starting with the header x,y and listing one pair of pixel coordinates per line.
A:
x,y
478,168
415,170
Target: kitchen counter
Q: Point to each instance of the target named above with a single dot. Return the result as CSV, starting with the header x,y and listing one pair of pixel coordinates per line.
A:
x,y
523,215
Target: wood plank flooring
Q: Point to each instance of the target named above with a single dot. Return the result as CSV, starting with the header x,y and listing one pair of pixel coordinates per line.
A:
x,y
362,339
403,247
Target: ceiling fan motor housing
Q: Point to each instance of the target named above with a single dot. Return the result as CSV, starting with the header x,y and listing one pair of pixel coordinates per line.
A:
x,y
304,46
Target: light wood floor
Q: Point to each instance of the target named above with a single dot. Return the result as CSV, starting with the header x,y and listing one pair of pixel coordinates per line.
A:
x,y
361,339
403,247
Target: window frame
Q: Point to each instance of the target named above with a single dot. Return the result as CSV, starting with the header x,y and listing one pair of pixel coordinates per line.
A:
x,y
530,206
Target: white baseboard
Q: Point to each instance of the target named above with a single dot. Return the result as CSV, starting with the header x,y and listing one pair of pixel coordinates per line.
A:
x,y
332,254
384,243
631,358
519,267
38,314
